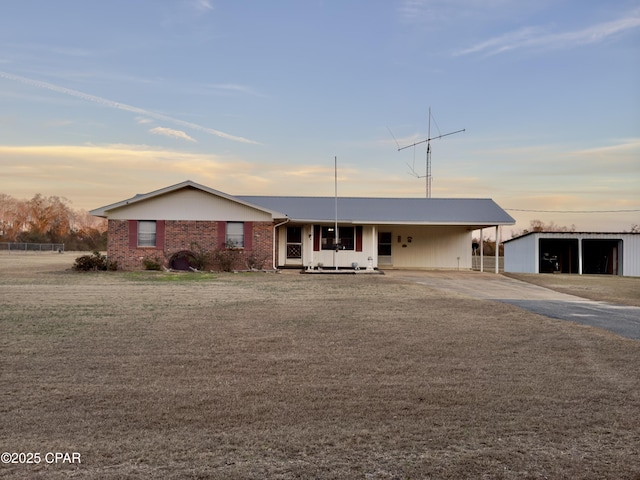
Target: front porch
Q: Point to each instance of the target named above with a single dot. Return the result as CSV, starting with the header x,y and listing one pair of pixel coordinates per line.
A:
x,y
323,247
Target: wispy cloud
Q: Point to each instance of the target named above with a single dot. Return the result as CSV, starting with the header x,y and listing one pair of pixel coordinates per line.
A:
x,y
64,170
202,6
170,132
535,37
123,106
433,12
59,123
226,88
143,120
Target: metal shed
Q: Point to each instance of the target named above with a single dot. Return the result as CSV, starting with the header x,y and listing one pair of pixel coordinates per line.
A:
x,y
574,252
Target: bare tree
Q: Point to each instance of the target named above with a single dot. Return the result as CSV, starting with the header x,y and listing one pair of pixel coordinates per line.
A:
x,y
13,217
540,226
50,219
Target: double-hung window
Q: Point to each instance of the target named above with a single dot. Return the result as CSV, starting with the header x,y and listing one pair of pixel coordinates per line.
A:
x,y
235,235
146,233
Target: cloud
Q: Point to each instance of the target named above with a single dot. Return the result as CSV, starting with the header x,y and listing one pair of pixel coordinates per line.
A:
x,y
59,123
616,160
434,12
170,132
533,37
123,106
95,175
143,120
90,175
234,88
202,6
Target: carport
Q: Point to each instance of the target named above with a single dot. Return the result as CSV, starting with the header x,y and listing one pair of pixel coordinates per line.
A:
x,y
574,252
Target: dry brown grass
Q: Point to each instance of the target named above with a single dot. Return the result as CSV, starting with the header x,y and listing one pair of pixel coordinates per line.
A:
x,y
295,376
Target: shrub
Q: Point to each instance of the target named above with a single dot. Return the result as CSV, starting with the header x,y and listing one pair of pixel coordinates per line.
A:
x,y
152,263
93,263
201,257
227,258
255,262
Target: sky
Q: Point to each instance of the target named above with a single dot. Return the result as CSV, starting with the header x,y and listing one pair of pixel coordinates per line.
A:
x,y
102,100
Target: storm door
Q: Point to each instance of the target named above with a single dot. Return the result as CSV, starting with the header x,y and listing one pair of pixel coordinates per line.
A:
x,y
294,245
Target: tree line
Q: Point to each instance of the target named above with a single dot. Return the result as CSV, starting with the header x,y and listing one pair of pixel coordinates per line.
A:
x,y
43,219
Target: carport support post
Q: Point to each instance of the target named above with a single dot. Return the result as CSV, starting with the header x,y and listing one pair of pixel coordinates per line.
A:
x,y
579,256
497,249
481,250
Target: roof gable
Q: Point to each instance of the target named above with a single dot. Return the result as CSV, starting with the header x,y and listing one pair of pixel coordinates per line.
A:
x,y
181,200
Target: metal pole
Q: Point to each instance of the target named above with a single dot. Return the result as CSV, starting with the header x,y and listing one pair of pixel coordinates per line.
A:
x,y
335,244
428,167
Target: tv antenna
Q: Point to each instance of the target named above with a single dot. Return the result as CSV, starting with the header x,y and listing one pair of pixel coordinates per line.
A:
x,y
427,174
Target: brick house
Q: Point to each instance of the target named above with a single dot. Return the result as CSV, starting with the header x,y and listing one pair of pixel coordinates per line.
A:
x,y
175,225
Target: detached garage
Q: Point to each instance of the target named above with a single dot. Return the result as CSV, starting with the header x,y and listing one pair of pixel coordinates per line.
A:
x,y
571,252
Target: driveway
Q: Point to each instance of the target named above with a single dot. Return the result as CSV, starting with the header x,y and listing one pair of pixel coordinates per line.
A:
x,y
620,319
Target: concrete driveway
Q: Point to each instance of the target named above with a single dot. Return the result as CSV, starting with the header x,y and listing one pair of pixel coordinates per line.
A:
x,y
620,319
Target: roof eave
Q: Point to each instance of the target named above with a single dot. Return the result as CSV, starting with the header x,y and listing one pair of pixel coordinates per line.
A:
x,y
403,222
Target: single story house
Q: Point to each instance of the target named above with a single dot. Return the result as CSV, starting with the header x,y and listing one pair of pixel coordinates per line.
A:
x,y
574,252
176,223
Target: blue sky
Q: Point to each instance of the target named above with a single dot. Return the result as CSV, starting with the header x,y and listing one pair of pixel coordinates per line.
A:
x,y
102,100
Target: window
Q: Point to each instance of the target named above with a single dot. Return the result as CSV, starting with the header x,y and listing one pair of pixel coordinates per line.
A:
x,y
345,238
146,233
235,234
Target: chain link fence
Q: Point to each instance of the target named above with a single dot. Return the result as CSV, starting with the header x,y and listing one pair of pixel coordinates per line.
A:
x,y
31,247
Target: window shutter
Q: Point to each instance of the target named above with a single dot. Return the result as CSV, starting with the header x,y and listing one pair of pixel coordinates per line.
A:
x,y
248,235
358,238
316,238
160,234
222,234
133,234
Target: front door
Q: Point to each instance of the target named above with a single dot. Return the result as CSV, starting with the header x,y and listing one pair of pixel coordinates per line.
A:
x,y
384,248
294,245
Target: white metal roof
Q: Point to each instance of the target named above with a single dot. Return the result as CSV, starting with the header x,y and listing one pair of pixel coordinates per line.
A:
x,y
572,235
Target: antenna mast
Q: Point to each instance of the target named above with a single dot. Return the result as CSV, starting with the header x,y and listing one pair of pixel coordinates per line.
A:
x,y
427,175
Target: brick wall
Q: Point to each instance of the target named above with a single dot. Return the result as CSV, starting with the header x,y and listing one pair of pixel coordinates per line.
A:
x,y
193,236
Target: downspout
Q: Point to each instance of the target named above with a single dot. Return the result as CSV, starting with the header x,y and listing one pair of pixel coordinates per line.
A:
x,y
275,231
